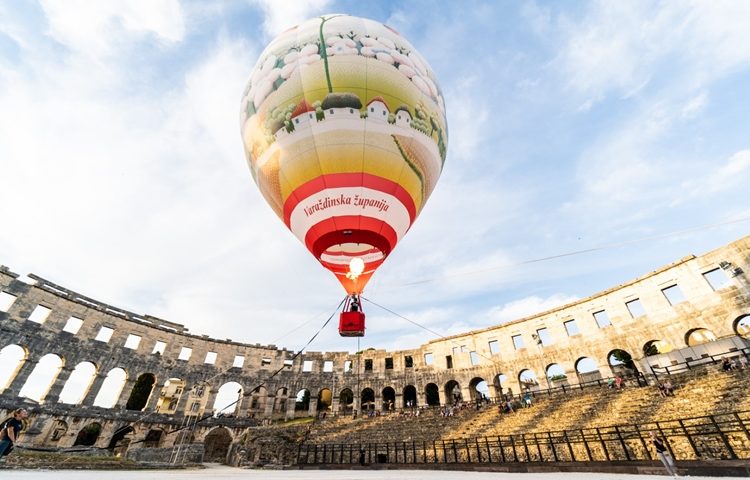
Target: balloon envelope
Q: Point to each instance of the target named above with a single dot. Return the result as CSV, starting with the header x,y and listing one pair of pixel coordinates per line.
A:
x,y
344,130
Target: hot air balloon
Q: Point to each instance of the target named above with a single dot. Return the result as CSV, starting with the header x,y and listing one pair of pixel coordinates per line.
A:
x,y
344,129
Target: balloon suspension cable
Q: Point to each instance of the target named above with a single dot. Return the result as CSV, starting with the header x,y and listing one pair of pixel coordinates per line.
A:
x,y
250,392
454,342
607,246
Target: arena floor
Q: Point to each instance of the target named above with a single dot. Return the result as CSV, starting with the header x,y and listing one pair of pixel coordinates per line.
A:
x,y
228,473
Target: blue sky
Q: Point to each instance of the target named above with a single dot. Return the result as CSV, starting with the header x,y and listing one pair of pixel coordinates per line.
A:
x,y
572,125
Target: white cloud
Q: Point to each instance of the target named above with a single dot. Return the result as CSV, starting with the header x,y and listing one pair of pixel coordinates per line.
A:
x,y
733,174
695,105
526,306
91,27
284,14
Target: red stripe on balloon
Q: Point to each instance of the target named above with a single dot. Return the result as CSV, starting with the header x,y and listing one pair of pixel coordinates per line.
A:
x,y
360,225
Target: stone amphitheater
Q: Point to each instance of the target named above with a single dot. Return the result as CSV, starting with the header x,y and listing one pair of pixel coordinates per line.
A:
x,y
575,388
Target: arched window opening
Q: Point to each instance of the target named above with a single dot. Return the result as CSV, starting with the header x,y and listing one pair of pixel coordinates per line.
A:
x,y
88,435
141,392
227,399
453,393
527,380
368,399
325,398
742,326
389,398
118,440
302,402
499,382
217,444
432,395
479,390
45,372
279,405
258,399
655,347
556,375
11,360
153,438
409,396
346,401
588,370
698,336
78,383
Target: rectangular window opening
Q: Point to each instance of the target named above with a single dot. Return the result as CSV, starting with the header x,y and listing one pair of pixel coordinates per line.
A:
x,y
185,353
408,361
635,307
572,328
673,294
307,366
517,342
265,361
132,341
494,347
159,348
428,359
73,325
717,279
347,366
474,358
448,361
40,314
389,363
210,358
239,361
368,365
6,300
105,333
328,366
602,318
543,337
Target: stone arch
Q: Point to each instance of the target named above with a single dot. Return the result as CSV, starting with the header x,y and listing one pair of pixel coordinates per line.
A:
x,y
153,438
620,361
527,380
11,359
88,435
409,396
556,374
258,400
111,388
325,399
118,438
587,369
498,383
170,395
346,400
432,395
367,399
479,390
698,336
279,401
78,383
302,401
44,374
389,398
217,444
227,399
452,392
141,392
655,347
741,325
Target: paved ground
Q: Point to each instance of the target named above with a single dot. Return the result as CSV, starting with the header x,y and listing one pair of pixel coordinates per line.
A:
x,y
227,473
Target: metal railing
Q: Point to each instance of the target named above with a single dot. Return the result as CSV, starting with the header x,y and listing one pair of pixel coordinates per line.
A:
x,y
711,437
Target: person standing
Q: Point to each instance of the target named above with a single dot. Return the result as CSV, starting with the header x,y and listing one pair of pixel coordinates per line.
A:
x,y
10,430
664,455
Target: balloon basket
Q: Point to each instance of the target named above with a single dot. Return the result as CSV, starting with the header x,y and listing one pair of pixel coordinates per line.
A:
x,y
352,324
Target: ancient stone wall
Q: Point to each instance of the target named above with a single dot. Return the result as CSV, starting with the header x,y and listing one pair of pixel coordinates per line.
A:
x,y
710,298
